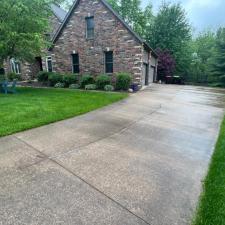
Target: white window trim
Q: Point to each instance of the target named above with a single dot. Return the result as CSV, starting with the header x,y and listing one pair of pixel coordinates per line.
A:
x,y
49,58
15,67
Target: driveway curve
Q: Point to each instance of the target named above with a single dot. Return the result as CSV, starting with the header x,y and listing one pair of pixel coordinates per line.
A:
x,y
139,161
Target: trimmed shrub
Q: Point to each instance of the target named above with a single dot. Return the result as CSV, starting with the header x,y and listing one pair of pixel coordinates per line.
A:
x,y
123,81
74,86
42,76
102,81
13,76
69,79
109,88
90,87
59,85
86,79
55,78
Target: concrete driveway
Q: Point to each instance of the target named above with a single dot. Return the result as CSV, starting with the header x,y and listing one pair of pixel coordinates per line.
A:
x,y
137,162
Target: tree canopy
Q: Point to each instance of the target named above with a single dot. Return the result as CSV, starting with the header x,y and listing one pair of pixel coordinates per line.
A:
x,y
23,24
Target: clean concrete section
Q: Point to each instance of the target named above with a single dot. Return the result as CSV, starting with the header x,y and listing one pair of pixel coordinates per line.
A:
x,y
139,161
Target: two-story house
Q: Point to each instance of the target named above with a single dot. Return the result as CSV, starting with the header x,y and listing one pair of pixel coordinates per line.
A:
x,y
94,39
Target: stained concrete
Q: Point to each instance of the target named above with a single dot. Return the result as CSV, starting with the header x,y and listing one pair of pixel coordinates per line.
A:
x,y
139,161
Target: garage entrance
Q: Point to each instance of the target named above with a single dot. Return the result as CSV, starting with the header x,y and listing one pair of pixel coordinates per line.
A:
x,y
145,75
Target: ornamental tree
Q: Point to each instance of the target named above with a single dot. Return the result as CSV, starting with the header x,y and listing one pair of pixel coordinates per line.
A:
x,y
167,64
23,24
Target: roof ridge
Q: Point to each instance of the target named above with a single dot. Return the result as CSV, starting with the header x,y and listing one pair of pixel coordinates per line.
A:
x,y
107,5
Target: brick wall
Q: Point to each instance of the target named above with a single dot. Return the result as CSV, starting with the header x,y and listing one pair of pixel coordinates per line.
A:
x,y
110,34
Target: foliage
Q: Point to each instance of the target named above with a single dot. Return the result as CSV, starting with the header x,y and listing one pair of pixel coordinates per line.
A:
x,y
171,30
102,81
109,88
44,106
55,78
13,76
90,87
2,77
132,13
69,79
23,23
74,86
211,209
218,61
123,81
59,85
203,49
86,79
166,65
43,76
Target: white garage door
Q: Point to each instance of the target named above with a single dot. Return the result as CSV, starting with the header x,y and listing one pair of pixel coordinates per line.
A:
x,y
151,74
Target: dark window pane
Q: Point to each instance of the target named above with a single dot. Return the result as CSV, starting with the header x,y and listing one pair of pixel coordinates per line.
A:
x,y
76,69
109,62
49,66
75,58
109,56
109,68
75,62
90,27
90,23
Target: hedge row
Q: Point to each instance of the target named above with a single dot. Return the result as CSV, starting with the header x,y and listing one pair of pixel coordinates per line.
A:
x,y
102,82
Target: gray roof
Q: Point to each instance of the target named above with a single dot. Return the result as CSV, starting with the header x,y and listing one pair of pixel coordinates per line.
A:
x,y
76,2
58,12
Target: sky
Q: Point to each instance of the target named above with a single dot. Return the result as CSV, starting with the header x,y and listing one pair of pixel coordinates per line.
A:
x,y
202,14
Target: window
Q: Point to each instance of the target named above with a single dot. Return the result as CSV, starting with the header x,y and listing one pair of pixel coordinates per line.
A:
x,y
75,63
49,64
90,27
15,66
109,62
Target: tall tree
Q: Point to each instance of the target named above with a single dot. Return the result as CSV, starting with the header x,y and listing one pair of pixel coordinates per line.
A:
x,y
218,66
149,23
172,31
131,12
22,27
203,49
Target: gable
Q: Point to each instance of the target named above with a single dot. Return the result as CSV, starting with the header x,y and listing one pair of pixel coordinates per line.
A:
x,y
109,8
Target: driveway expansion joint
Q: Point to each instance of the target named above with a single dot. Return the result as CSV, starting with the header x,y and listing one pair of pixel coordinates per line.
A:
x,y
81,179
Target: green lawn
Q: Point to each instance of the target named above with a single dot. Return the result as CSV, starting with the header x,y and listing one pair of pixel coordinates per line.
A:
x,y
31,107
211,209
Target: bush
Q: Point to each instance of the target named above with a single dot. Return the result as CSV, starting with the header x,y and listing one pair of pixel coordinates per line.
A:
x,y
55,78
43,76
109,88
86,79
90,87
13,76
123,81
102,81
74,86
69,79
59,85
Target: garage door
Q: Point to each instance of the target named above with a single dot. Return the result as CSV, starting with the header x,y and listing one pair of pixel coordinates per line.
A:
x,y
151,74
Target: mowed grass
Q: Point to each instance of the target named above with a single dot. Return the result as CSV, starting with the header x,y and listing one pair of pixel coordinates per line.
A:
x,y
211,209
32,107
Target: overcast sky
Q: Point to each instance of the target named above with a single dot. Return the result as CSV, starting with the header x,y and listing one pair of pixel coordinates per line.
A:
x,y
202,14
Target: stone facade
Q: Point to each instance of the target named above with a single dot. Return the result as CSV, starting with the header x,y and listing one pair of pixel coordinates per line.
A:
x,y
110,34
